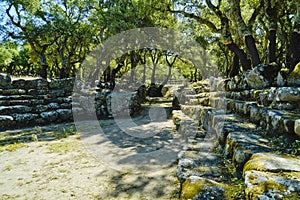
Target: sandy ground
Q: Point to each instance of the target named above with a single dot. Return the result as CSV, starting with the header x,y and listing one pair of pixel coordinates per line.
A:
x,y
114,163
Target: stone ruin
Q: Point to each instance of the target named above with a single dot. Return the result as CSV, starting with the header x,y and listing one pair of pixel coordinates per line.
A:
x,y
250,122
40,102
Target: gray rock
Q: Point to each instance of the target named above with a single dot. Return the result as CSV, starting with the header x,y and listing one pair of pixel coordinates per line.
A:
x,y
196,187
263,180
5,80
13,92
294,77
289,94
255,79
266,185
240,146
41,108
6,118
272,163
6,121
6,110
187,163
53,106
55,84
25,118
64,114
42,84
297,127
49,116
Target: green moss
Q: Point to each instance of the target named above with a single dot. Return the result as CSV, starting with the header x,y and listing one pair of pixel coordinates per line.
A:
x,y
256,94
189,190
255,163
260,187
233,191
296,72
263,187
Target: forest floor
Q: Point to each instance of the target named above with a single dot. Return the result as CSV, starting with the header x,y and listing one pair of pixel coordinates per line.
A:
x,y
114,163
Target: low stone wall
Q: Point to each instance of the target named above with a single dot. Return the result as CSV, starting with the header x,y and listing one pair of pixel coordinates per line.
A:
x,y
39,102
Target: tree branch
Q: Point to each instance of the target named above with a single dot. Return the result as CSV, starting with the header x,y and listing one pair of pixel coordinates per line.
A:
x,y
255,14
206,22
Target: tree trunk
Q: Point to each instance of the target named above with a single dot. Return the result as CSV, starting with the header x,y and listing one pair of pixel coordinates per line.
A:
x,y
295,40
153,80
245,62
295,48
195,75
107,74
251,47
133,66
115,71
272,46
235,66
63,71
246,31
144,73
44,66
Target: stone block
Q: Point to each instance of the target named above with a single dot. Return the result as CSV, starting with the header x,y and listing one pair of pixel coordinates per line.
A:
x,y
64,114
6,121
19,109
288,94
294,78
240,146
5,80
271,176
297,127
25,119
50,116
196,187
14,92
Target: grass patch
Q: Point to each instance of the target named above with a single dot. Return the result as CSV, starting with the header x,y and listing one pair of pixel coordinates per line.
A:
x,y
63,170
64,133
8,167
15,146
63,147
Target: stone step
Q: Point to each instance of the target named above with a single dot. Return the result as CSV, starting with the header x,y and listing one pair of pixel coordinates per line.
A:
x,y
271,176
278,122
186,126
240,146
277,94
196,187
193,111
6,121
39,133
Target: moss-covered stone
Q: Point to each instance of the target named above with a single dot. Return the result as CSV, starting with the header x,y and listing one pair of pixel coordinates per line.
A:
x,y
294,77
267,185
199,186
273,163
272,176
297,127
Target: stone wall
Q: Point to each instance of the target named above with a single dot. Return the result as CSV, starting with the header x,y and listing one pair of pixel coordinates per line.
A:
x,y
39,102
251,125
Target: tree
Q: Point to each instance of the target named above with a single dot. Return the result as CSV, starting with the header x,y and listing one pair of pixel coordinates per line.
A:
x,y
247,29
8,51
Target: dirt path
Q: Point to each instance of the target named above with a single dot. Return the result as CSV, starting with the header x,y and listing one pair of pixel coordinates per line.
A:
x,y
116,163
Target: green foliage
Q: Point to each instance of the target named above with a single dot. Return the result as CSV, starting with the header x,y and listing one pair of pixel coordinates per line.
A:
x,y
57,36
296,147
